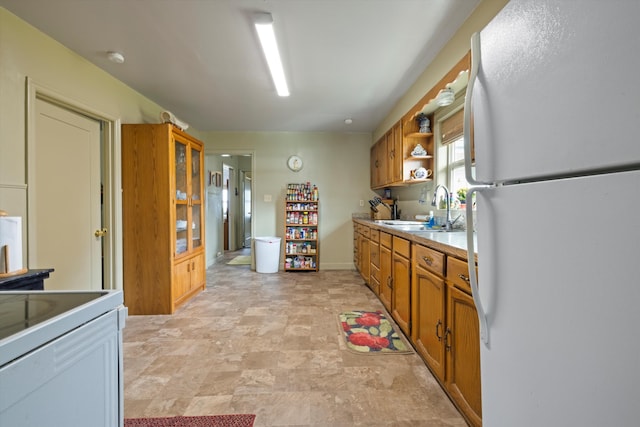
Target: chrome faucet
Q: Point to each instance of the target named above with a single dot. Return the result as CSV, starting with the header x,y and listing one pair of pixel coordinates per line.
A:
x,y
448,226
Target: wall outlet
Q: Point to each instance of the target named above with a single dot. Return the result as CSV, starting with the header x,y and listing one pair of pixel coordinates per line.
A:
x,y
361,202
267,198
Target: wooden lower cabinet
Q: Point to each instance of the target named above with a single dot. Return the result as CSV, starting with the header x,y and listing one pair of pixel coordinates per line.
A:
x,y
429,296
374,258
362,253
401,284
462,345
189,278
386,294
365,263
446,331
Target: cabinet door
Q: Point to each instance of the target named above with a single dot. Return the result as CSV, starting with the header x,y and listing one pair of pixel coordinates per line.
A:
x,y
196,182
198,273
373,166
365,263
390,158
428,326
397,158
379,163
374,266
181,189
181,281
385,277
462,341
401,300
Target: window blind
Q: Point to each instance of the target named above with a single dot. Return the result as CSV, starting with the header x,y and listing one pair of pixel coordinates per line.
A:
x,y
452,127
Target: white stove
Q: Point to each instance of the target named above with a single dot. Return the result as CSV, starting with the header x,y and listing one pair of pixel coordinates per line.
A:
x,y
61,358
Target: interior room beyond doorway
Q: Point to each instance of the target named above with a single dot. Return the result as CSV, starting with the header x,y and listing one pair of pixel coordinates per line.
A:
x,y
229,203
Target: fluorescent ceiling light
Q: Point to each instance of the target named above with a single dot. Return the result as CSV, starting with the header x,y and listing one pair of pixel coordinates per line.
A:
x,y
264,27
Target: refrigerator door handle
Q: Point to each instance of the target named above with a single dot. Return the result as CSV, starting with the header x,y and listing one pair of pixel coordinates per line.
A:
x,y
473,279
473,75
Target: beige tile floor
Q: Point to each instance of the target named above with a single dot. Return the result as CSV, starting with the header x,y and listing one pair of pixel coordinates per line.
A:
x,y
269,344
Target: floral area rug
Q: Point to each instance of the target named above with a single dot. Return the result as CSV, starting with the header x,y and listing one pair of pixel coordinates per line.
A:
x,y
370,332
236,420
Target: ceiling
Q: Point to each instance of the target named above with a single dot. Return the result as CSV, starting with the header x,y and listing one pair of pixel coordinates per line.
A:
x,y
201,60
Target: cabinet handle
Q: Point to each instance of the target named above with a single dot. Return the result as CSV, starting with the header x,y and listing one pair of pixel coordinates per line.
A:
x,y
390,282
377,163
188,267
392,153
463,277
427,260
447,346
100,233
438,330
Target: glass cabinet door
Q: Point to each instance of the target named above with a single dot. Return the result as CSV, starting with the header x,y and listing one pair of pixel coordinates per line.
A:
x,y
182,204
196,197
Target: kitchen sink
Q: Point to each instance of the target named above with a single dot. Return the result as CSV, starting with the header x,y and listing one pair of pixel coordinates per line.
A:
x,y
398,222
404,225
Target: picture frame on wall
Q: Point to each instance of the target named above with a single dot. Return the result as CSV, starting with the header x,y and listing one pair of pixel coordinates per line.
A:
x,y
215,178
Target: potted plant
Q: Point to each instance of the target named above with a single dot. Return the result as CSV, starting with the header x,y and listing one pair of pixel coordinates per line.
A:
x,y
462,195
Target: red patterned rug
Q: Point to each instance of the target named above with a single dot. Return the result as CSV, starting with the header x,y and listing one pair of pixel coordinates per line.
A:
x,y
370,332
236,420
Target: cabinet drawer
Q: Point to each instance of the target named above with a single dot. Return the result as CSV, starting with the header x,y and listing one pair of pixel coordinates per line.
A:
x,y
401,247
458,274
365,231
385,240
375,236
429,259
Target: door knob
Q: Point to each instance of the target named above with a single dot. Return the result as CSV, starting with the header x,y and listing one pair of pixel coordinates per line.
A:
x,y
100,233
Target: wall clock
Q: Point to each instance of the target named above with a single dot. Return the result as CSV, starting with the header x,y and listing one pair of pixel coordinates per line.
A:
x,y
294,163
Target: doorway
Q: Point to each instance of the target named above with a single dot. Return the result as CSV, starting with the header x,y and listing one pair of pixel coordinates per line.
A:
x,y
229,224
72,219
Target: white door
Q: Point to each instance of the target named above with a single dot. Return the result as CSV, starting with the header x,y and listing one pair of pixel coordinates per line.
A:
x,y
67,211
246,210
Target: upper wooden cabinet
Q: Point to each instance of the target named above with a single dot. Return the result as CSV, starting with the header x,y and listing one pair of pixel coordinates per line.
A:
x,y
387,158
163,217
393,162
394,145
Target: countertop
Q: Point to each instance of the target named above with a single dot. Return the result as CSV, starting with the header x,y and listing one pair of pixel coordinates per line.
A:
x,y
451,243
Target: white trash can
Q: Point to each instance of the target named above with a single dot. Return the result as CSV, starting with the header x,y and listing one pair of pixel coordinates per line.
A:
x,y
267,254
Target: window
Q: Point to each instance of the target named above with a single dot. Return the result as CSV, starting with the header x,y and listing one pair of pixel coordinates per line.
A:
x,y
455,167
451,146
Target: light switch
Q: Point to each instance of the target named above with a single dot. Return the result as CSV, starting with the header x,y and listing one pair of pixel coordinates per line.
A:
x,y
267,197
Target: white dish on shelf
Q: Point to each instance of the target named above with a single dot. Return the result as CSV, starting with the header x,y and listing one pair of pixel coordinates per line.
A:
x,y
419,151
422,173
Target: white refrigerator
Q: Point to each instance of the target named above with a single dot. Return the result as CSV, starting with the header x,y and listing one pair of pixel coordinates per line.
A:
x,y
554,101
